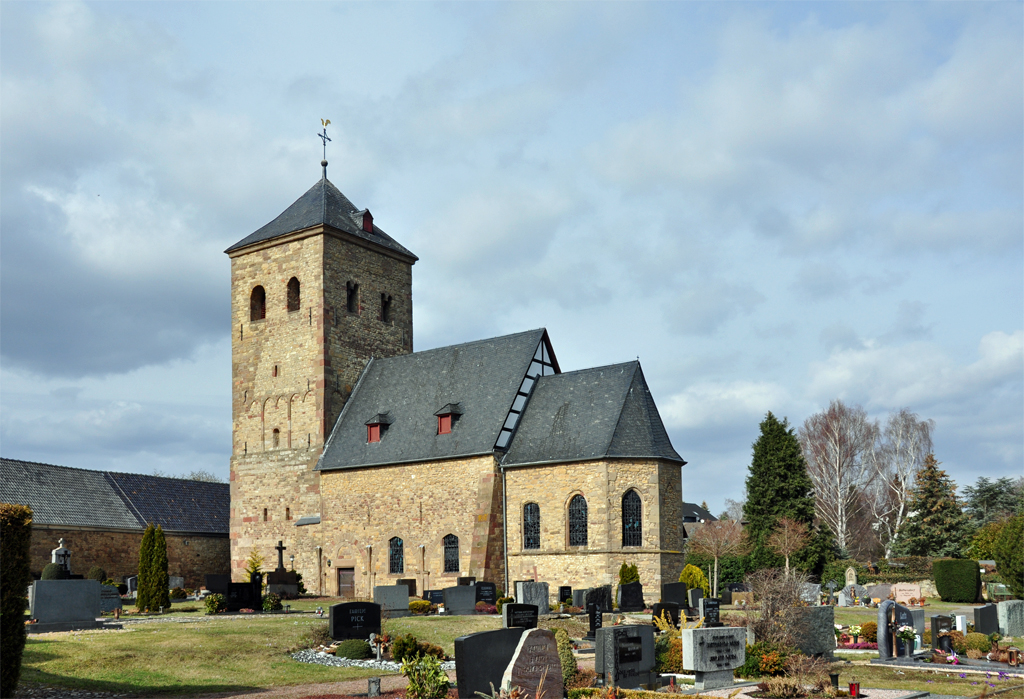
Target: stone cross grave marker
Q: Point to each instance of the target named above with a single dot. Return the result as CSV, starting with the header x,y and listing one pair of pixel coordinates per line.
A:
x,y
625,656
481,660
904,592
671,610
675,592
596,619
535,665
631,597
709,611
533,593
519,615
460,600
486,592
986,619
393,600
831,591
713,654
354,620
565,593
851,576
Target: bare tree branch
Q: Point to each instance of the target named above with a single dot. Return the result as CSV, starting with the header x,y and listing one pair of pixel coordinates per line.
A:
x,y
717,539
789,537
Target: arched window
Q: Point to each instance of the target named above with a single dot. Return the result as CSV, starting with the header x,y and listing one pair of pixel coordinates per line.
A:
x,y
531,526
258,304
293,294
451,554
385,308
277,438
578,521
352,297
396,556
632,527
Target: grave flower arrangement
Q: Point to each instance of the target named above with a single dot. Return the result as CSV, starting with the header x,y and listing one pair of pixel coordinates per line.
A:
x,y
906,633
855,632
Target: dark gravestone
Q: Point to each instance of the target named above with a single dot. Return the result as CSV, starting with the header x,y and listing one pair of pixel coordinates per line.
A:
x,y
675,593
354,620
410,583
486,592
465,581
434,596
243,596
132,581
519,616
109,598
738,587
481,660
214,583
535,667
625,656
601,596
694,597
941,624
986,619
594,616
579,598
565,593
671,610
709,611
459,600
903,618
885,637
631,597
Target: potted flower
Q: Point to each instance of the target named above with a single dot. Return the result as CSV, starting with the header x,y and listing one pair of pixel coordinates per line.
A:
x,y
907,634
855,632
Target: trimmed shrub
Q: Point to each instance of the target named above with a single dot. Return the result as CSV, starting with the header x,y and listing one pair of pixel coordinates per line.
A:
x,y
353,649
144,591
694,577
215,603
15,535
407,647
668,654
565,656
957,579
1010,555
158,577
54,571
178,593
836,572
978,641
869,632
96,573
419,606
272,603
763,660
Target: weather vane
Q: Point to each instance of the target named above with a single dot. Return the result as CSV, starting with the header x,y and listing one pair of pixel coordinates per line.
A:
x,y
323,136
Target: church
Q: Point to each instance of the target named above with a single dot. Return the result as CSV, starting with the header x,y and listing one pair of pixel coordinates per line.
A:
x,y
373,463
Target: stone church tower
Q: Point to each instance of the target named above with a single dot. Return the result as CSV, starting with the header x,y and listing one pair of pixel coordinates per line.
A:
x,y
315,294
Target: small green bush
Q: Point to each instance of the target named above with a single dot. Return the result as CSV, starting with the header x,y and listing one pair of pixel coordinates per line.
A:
x,y
565,656
353,649
215,603
668,654
272,603
978,641
419,606
502,601
957,580
178,593
96,573
426,678
694,577
869,632
54,571
764,660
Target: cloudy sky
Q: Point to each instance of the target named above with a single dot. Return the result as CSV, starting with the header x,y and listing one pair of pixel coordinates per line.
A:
x,y
772,205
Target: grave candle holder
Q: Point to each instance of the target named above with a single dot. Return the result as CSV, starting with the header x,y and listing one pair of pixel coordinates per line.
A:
x,y
855,689
834,677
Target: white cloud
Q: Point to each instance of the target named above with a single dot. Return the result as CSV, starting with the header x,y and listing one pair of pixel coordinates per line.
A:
x,y
710,403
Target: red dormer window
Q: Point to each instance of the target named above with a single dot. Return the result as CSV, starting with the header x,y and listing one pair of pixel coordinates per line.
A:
x,y
444,424
377,426
447,416
368,221
372,433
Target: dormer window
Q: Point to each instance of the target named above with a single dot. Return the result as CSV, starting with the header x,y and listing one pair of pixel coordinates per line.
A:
x,y
446,417
377,426
368,221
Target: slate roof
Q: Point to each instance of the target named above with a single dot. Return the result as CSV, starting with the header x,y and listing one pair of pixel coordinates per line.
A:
x,y
323,204
605,412
692,512
482,377
59,495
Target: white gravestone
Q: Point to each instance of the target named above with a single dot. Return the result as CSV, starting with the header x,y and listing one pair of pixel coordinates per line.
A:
x,y
713,654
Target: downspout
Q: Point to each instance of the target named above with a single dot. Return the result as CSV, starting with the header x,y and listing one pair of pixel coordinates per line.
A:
x,y
504,524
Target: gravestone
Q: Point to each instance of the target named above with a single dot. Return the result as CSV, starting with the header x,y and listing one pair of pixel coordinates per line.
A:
x,y
354,620
676,592
904,592
671,610
579,598
814,630
110,599
519,616
174,581
695,596
601,596
596,618
856,592
243,596
535,665
533,593
918,616
1011,615
64,605
625,656
132,581
941,624
217,584
885,637
709,611
486,592
960,622
410,583
903,617
631,597
565,593
481,660
810,593
460,600
851,576
986,619
393,600
879,592
434,596
843,599
465,581
713,654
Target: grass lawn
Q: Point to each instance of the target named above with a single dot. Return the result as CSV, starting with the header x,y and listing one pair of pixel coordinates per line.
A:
x,y
943,681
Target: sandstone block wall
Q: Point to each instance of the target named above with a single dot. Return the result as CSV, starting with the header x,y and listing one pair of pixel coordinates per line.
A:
x,y
117,552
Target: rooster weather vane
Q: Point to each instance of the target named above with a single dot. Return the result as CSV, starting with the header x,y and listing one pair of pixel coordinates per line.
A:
x,y
323,136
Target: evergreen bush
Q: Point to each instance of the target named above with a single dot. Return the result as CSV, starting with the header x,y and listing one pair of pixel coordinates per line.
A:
x,y
764,660
419,606
668,654
731,569
159,578
215,603
353,649
144,588
407,647
957,579
1010,555
96,573
565,656
978,641
694,577
869,632
54,571
836,572
15,577
502,601
272,603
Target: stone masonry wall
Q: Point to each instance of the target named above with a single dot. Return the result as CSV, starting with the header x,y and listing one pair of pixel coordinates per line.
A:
x,y
419,503
117,552
602,483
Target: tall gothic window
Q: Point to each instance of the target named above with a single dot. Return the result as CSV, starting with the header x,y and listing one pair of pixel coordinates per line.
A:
x,y
451,554
632,528
258,304
578,521
293,294
531,526
396,556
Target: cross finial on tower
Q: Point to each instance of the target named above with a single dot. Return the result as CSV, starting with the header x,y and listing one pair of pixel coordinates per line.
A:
x,y
323,136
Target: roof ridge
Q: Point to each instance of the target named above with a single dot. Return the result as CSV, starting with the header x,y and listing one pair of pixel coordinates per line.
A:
x,y
119,491
586,369
465,344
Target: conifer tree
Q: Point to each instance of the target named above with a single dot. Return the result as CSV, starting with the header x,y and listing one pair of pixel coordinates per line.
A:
x,y
159,578
778,486
144,589
936,525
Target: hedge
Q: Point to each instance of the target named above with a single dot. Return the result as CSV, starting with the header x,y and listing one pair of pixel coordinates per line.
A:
x,y
957,579
15,534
